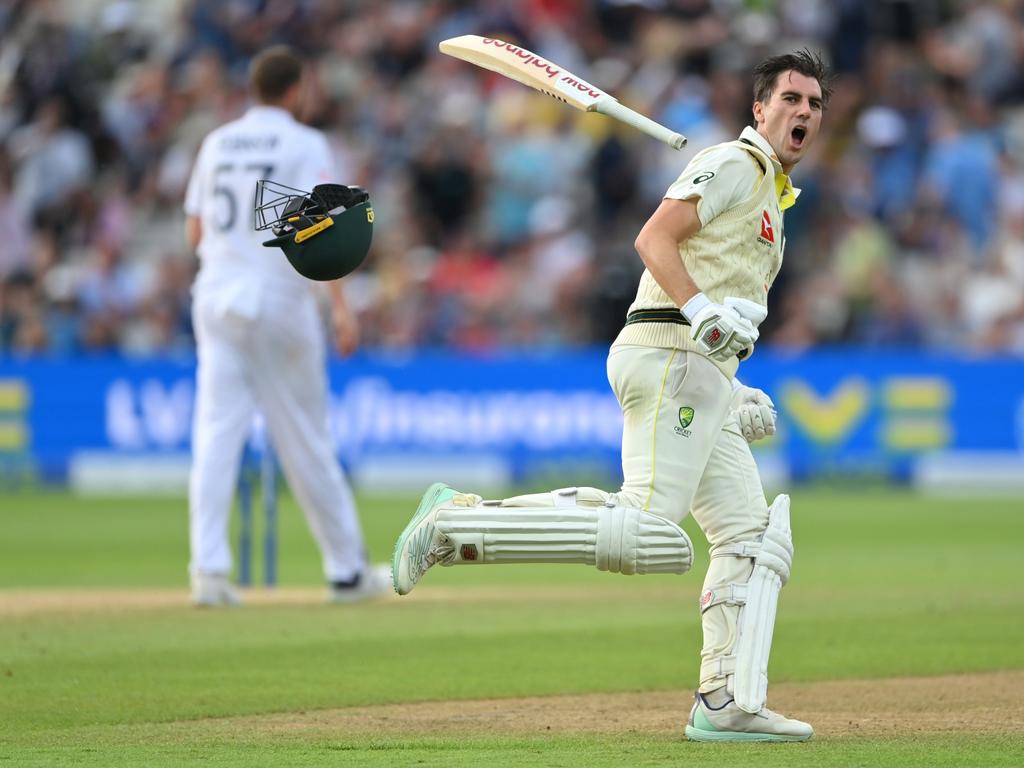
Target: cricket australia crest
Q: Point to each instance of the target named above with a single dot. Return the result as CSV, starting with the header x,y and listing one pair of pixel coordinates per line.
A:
x,y
685,419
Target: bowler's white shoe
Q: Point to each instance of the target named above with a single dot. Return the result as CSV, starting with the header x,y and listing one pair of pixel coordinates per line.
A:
x,y
728,722
374,581
213,590
421,545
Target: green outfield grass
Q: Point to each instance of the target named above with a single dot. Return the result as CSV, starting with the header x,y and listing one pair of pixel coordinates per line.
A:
x,y
885,584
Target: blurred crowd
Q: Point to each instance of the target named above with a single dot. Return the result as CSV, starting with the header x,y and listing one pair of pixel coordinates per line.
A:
x,y
503,217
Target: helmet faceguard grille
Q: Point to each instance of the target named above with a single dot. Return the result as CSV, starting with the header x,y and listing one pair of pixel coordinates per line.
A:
x,y
286,209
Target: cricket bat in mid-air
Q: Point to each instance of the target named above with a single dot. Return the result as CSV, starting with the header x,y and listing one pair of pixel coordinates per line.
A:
x,y
528,68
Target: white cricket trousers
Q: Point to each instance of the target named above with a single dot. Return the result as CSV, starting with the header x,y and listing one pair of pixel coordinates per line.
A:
x,y
704,467
273,360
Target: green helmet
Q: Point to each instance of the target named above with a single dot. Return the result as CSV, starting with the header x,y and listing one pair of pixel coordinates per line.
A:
x,y
325,233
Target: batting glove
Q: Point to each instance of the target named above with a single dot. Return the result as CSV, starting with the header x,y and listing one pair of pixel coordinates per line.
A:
x,y
750,310
720,331
754,411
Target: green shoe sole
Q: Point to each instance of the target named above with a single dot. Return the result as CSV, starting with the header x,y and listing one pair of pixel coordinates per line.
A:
x,y
435,494
699,734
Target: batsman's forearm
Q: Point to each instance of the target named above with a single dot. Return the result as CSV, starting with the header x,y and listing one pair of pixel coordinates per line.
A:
x,y
661,257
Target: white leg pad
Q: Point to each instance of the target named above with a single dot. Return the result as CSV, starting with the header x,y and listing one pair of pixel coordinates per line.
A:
x,y
772,564
630,541
612,538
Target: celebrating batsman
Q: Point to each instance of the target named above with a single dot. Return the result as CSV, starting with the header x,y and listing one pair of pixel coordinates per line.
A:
x,y
711,250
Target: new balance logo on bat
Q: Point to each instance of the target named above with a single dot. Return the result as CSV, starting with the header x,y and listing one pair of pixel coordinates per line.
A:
x,y
581,86
526,56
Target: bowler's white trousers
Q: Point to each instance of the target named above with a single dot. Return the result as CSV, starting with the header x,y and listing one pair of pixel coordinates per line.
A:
x,y
266,351
675,461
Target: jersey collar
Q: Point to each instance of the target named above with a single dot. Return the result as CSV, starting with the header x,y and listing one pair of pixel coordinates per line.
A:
x,y
783,186
266,111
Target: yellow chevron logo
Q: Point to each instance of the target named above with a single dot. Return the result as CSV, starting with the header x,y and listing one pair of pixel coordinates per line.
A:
x,y
828,418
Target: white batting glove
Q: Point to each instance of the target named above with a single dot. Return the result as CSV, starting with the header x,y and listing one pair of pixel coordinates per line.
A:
x,y
720,331
754,411
753,312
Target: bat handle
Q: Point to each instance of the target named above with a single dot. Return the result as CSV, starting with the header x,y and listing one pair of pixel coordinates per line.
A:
x,y
619,111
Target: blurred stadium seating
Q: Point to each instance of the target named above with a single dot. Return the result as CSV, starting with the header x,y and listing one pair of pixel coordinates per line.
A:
x,y
503,218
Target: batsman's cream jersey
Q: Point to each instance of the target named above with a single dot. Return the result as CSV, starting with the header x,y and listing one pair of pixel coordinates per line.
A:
x,y
265,143
738,250
682,450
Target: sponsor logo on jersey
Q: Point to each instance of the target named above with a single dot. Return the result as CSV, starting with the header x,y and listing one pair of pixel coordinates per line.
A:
x,y
767,236
706,176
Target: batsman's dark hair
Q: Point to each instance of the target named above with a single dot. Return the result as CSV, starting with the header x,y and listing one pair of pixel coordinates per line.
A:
x,y
804,61
273,72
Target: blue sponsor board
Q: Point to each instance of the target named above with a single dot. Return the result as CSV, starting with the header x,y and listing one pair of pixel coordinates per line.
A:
x,y
845,411
841,411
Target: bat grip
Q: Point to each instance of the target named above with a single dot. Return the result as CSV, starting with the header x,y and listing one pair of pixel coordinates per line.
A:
x,y
619,111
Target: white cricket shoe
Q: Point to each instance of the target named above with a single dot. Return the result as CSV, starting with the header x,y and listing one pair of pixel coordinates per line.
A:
x,y
374,581
421,545
730,723
213,590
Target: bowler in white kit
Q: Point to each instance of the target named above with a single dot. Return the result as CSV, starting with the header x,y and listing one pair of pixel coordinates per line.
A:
x,y
261,343
711,250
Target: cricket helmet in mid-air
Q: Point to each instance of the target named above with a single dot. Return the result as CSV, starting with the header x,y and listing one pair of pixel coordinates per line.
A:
x,y
324,233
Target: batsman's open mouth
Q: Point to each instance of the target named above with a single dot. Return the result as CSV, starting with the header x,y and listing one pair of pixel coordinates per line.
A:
x,y
797,136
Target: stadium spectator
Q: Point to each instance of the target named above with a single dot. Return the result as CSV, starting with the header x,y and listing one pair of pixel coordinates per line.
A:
x,y
102,106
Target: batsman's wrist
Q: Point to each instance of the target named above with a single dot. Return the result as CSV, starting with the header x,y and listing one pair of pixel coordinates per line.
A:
x,y
694,305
